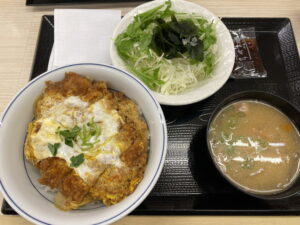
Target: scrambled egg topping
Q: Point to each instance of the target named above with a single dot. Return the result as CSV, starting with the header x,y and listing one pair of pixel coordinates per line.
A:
x,y
74,112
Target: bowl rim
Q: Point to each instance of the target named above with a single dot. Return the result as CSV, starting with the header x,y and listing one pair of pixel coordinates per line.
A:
x,y
228,101
171,99
149,186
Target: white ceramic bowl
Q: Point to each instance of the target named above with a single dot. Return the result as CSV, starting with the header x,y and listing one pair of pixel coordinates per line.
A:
x,y
16,175
225,53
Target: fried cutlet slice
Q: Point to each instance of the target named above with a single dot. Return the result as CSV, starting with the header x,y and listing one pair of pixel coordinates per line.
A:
x,y
72,85
73,187
53,171
113,185
135,155
73,191
134,127
117,183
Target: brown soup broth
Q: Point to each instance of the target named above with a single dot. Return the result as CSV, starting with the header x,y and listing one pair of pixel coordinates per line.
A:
x,y
256,146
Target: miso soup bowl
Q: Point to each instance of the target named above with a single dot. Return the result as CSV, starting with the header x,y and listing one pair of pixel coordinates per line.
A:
x,y
279,103
18,178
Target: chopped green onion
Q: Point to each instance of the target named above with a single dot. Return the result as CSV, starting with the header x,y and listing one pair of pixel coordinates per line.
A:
x,y
89,130
229,149
232,122
248,163
241,114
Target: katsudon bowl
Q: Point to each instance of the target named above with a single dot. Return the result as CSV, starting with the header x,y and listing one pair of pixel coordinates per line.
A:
x,y
18,178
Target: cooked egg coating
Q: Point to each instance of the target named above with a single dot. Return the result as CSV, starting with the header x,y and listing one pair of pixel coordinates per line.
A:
x,y
73,111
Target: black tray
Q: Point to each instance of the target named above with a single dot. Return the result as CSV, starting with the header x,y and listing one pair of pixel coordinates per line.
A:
x,y
189,183
52,2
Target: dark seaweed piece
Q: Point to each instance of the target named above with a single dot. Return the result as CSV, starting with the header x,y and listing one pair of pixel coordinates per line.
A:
x,y
195,49
175,38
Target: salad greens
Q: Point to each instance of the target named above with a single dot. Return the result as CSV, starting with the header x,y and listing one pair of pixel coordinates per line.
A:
x,y
167,50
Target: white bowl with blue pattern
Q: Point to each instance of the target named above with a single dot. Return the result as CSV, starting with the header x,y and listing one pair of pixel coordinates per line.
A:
x,y
18,178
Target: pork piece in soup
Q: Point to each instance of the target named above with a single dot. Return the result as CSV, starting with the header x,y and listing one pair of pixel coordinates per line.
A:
x,y
256,146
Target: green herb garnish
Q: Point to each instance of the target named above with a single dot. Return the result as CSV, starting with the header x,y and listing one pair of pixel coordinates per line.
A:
x,y
89,130
240,114
69,142
229,149
263,144
53,148
248,163
226,136
70,135
77,160
232,122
